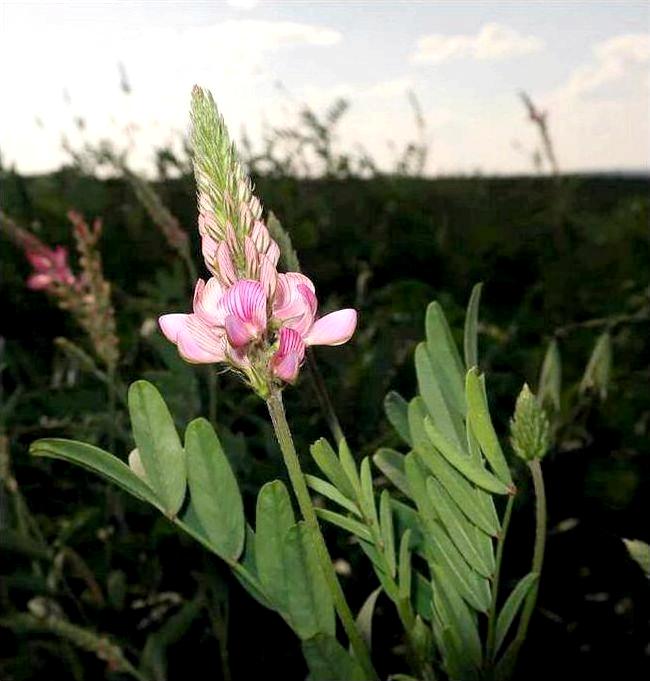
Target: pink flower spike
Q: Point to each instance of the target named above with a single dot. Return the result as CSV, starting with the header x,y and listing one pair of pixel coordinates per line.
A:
x,y
38,282
289,356
335,328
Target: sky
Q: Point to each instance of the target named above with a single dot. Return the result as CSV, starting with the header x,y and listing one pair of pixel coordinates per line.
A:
x,y
586,63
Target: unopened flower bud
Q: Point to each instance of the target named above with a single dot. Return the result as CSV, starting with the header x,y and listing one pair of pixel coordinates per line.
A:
x,y
529,428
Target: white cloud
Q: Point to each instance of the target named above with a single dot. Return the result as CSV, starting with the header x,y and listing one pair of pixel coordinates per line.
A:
x,y
492,41
621,57
232,58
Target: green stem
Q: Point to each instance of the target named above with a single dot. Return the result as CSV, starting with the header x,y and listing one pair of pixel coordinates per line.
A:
x,y
283,434
538,552
492,617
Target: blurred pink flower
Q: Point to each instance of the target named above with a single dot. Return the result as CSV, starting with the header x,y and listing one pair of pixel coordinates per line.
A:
x,y
50,267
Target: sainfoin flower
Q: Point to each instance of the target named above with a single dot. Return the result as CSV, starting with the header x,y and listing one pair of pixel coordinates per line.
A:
x,y
50,267
247,315
261,329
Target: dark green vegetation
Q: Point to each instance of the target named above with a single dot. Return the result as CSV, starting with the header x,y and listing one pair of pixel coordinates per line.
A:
x,y
565,259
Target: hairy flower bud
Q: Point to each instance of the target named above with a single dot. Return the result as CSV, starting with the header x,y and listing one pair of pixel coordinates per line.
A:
x,y
530,428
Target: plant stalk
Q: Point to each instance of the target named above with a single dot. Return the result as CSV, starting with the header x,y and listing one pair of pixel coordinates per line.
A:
x,y
283,434
538,552
492,617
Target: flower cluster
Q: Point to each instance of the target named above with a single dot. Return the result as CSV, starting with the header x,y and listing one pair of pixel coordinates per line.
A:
x,y
259,324
50,267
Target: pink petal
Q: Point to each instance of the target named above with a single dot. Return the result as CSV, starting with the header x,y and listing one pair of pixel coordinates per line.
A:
x,y
224,264
199,344
289,356
60,257
39,261
251,255
171,324
273,253
239,333
209,251
335,328
268,276
290,302
260,236
208,304
246,300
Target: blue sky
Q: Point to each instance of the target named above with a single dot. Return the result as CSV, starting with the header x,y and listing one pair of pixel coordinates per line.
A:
x,y
587,63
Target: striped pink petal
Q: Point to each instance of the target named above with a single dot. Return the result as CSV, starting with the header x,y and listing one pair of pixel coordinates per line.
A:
x,y
171,324
225,265
245,303
200,344
286,361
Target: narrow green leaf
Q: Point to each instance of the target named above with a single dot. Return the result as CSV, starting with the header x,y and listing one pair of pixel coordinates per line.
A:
x,y
330,492
461,462
405,572
367,498
310,605
364,618
458,528
417,412
348,524
511,607
98,461
481,423
417,479
470,337
406,518
350,467
422,601
460,490
456,612
391,464
387,530
639,552
214,490
396,409
469,584
329,463
435,399
597,372
273,519
328,660
158,444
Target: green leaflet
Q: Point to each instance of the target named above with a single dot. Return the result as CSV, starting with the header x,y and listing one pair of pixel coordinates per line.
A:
x,y
329,463
511,607
457,615
391,464
328,660
469,584
417,479
445,358
460,531
460,490
273,519
310,607
158,444
345,523
396,408
98,461
350,467
387,530
332,493
435,397
417,412
472,470
481,424
406,518
214,490
404,572
367,497
364,618
470,336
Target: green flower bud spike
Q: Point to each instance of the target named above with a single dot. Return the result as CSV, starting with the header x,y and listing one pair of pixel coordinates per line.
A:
x,y
530,427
